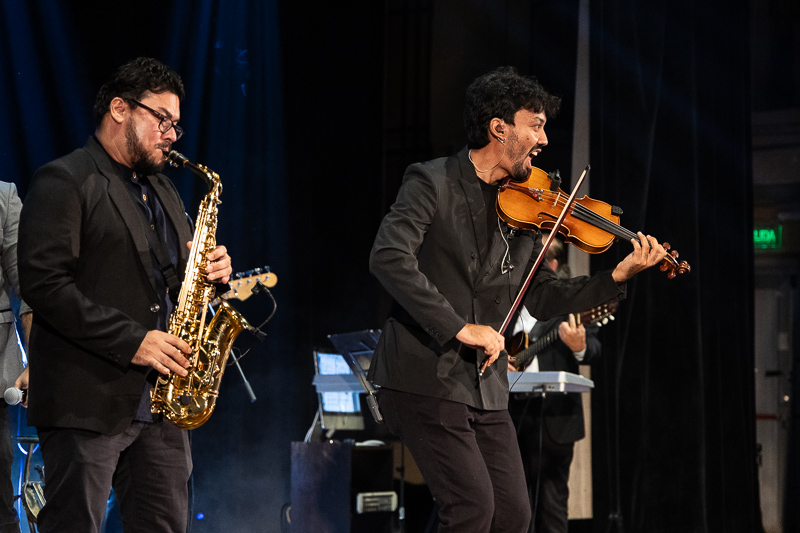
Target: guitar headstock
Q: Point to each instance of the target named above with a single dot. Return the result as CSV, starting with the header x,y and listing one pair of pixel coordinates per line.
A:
x,y
670,264
243,283
599,316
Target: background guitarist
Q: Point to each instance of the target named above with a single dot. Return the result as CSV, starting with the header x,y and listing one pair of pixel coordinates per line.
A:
x,y
548,428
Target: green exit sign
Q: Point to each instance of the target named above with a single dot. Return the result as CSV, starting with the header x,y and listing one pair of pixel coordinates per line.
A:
x,y
767,238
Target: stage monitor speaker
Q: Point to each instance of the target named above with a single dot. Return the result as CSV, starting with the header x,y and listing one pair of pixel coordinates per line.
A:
x,y
340,487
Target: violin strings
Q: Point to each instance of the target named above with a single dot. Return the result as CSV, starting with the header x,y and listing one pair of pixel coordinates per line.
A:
x,y
597,220
587,215
604,223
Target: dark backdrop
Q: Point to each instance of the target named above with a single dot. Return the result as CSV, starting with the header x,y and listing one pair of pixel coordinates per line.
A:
x,y
310,112
671,143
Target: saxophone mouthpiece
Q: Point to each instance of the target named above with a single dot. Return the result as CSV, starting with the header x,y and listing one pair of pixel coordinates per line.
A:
x,y
176,159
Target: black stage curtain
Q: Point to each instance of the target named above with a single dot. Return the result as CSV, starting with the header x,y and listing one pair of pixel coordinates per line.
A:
x,y
670,143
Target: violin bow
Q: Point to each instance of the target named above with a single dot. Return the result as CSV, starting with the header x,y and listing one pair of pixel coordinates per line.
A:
x,y
524,289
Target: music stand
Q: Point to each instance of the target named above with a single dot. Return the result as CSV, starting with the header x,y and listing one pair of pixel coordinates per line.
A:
x,y
357,348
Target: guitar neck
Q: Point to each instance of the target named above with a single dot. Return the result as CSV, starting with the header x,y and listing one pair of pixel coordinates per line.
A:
x,y
526,356
242,284
596,315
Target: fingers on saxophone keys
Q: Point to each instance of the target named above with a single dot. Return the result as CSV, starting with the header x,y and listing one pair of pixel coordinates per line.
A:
x,y
170,365
180,344
167,366
160,368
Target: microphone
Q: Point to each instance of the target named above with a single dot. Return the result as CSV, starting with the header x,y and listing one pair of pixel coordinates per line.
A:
x,y
14,396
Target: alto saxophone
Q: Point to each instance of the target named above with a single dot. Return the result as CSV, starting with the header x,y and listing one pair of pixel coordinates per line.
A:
x,y
189,401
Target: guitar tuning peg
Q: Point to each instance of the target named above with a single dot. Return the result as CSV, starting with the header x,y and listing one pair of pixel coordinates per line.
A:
x,y
257,270
605,321
612,317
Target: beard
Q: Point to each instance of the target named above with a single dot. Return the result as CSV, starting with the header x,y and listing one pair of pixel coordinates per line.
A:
x,y
142,161
519,155
518,172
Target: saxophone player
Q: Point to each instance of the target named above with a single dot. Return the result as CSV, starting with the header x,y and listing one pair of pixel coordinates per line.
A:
x,y
98,284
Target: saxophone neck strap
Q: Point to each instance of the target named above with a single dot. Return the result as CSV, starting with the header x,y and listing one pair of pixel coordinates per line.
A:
x,y
164,264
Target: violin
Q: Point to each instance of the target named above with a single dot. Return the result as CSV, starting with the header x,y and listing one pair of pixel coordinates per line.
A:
x,y
591,225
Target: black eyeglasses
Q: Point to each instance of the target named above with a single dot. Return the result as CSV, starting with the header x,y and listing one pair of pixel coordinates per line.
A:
x,y
166,122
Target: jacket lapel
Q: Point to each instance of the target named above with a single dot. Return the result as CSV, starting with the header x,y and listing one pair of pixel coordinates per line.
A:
x,y
474,198
172,206
129,212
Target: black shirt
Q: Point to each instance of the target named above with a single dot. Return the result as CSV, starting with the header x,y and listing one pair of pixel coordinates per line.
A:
x,y
489,201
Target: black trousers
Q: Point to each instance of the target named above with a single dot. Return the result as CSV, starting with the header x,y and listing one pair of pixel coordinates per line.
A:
x,y
546,465
468,457
9,521
148,465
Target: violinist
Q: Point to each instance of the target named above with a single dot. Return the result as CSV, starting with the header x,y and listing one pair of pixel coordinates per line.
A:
x,y
453,269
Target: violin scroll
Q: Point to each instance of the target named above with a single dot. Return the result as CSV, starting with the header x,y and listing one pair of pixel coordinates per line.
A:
x,y
670,264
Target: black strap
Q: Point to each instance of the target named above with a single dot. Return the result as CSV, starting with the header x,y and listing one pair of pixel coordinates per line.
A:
x,y
164,263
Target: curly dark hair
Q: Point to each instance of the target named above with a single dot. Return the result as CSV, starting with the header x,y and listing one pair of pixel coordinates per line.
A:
x,y
132,80
501,93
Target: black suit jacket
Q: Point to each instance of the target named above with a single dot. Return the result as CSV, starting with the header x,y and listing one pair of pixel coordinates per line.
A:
x,y
86,270
427,255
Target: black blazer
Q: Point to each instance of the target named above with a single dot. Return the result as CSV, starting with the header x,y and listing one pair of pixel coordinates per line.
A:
x,y
86,270
427,255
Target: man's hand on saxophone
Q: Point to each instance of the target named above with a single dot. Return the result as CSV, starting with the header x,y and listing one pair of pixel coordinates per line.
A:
x,y
164,352
219,264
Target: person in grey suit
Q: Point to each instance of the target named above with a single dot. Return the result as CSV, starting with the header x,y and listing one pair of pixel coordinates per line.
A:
x,y
11,362
547,428
101,305
453,269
